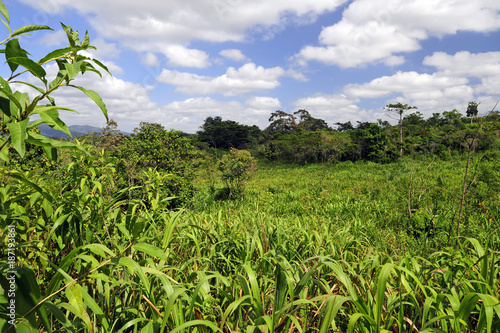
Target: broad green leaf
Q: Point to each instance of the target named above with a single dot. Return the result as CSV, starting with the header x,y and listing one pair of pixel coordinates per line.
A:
x,y
381,287
130,324
18,102
61,80
14,50
54,55
19,176
28,295
334,303
92,304
47,108
58,314
99,250
73,69
75,298
40,140
18,135
72,37
102,66
40,90
14,106
5,85
29,28
355,317
4,154
280,291
4,11
151,250
96,98
30,65
51,118
86,40
51,153
134,267
5,109
87,66
60,220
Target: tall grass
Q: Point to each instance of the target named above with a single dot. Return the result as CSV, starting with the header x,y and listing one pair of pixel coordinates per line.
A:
x,y
309,249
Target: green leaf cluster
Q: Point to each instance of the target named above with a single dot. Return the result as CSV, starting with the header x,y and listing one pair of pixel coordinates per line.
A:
x,y
17,109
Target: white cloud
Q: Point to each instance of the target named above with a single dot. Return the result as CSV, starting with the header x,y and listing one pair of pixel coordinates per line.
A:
x,y
150,59
482,66
261,102
489,85
466,64
374,30
394,61
129,103
403,82
182,56
233,54
247,78
459,78
333,108
429,92
105,49
180,21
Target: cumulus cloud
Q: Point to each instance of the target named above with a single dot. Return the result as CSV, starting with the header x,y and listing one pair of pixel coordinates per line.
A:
x,y
181,56
261,102
429,92
128,103
180,21
403,82
233,54
150,59
333,108
458,79
247,78
466,64
373,31
484,67
394,61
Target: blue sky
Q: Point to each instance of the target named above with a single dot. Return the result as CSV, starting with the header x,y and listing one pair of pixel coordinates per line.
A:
x,y
177,62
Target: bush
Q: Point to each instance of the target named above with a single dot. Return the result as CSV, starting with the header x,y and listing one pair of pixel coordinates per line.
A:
x,y
152,150
236,167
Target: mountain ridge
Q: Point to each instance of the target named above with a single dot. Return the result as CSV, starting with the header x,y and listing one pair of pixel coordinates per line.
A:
x,y
74,129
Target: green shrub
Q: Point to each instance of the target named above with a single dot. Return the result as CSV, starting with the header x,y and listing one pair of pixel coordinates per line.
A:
x,y
236,167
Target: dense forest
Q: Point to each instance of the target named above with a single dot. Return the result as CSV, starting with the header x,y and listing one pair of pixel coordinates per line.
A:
x,y
299,227
301,138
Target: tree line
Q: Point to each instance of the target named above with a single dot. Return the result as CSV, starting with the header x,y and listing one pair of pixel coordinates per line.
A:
x,y
301,138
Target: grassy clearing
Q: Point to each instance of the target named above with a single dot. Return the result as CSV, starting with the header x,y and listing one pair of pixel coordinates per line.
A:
x,y
319,248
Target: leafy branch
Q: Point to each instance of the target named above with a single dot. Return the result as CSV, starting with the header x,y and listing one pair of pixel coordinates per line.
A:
x,y
16,107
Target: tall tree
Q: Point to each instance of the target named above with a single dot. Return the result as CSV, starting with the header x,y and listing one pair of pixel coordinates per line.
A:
x,y
399,109
281,122
342,127
227,134
308,122
472,110
111,138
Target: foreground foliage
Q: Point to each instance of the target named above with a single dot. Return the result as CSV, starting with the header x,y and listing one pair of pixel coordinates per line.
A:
x,y
328,256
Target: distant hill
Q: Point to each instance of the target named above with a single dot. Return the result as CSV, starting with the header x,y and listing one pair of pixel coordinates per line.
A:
x,y
74,129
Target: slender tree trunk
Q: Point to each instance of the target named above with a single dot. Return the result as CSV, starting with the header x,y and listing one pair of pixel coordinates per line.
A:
x,y
401,133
